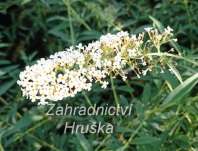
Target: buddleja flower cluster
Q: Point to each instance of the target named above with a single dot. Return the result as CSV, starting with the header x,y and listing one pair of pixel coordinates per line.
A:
x,y
76,69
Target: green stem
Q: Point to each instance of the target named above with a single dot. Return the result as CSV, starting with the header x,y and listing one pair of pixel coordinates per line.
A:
x,y
1,147
44,143
3,101
77,16
102,143
130,139
87,99
68,5
158,49
174,56
114,92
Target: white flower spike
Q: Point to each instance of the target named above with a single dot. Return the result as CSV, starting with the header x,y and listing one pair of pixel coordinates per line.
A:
x,y
68,72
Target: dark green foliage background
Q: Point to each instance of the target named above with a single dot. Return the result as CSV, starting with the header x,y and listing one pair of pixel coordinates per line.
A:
x,y
31,29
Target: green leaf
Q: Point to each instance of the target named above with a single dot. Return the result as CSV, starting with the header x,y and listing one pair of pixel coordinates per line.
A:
x,y
3,45
10,71
147,93
176,72
125,88
179,92
157,23
59,34
25,2
4,87
2,73
88,35
4,62
9,68
84,143
58,31
170,78
146,140
1,133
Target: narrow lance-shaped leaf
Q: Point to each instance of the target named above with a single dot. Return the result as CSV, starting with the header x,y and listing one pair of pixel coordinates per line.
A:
x,y
182,90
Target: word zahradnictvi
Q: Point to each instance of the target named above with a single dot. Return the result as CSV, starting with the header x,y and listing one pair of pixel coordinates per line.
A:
x,y
94,110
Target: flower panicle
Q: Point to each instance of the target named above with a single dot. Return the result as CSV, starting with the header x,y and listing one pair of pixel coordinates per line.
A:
x,y
68,72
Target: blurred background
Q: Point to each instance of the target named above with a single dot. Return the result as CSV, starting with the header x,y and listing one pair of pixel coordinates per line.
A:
x,y
31,29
